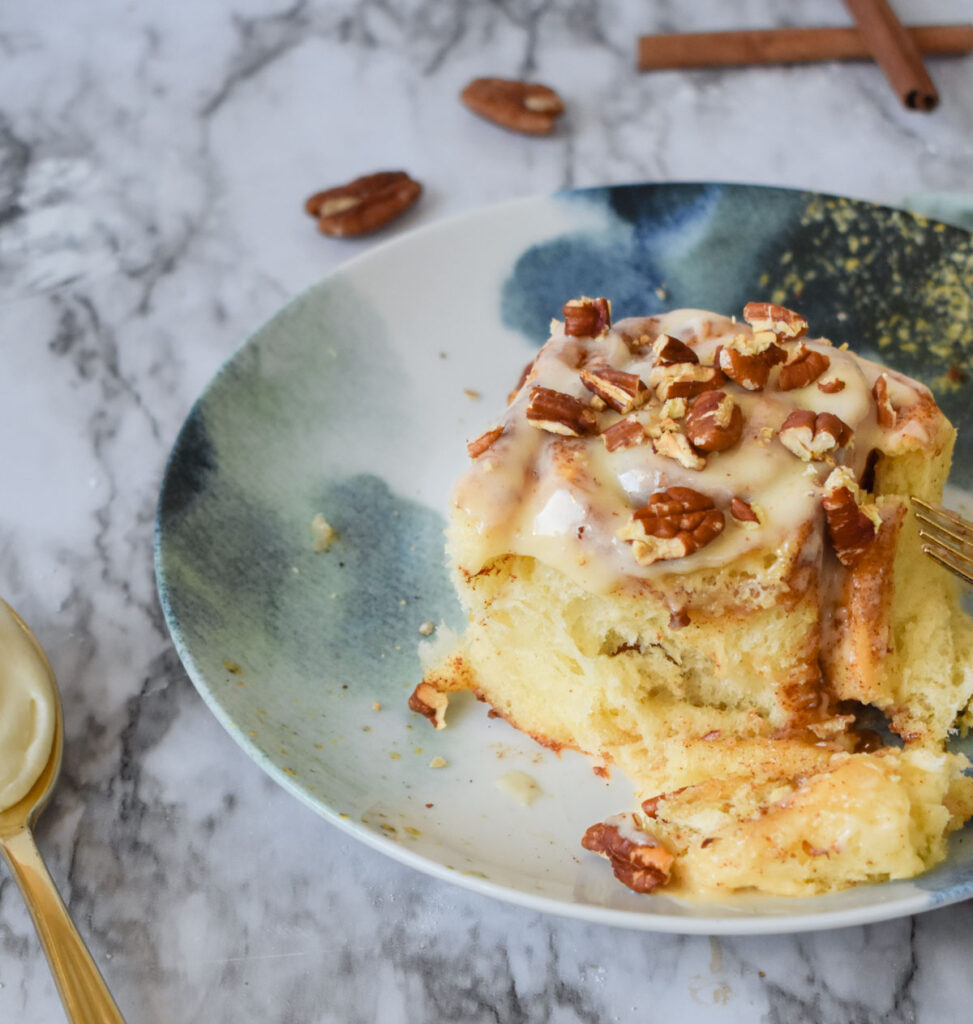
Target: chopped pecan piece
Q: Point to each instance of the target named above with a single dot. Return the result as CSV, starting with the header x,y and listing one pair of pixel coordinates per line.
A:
x,y
675,523
766,316
587,318
641,863
674,445
363,205
831,386
684,380
429,702
884,409
715,422
559,413
804,365
479,445
624,434
811,437
519,106
747,359
621,391
524,377
852,525
743,511
667,350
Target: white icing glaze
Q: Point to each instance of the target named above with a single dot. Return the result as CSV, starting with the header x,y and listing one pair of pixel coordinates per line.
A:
x,y
563,500
27,711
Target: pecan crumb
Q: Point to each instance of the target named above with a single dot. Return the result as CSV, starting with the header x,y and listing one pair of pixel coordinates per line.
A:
x,y
322,532
427,701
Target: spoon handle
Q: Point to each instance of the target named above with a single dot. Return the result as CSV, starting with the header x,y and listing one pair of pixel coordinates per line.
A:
x,y
83,991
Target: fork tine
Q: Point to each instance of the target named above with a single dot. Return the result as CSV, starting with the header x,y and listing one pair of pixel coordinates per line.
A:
x,y
947,563
936,515
946,536
959,550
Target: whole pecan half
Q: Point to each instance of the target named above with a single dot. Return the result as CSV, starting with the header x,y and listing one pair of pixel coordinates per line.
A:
x,y
852,526
812,436
641,865
674,523
767,316
363,205
559,413
519,106
587,318
804,365
715,422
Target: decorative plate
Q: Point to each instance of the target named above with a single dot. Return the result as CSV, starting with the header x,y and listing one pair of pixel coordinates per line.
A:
x,y
355,402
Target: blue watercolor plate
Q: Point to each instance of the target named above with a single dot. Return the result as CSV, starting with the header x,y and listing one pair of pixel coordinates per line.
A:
x,y
355,402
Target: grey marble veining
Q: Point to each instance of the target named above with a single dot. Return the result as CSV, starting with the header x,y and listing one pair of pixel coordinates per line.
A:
x,y
153,162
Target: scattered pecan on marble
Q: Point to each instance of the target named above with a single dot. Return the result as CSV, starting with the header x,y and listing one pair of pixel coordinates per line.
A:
x,y
518,106
363,205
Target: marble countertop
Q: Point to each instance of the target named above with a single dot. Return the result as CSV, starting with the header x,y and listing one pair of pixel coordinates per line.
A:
x,y
153,162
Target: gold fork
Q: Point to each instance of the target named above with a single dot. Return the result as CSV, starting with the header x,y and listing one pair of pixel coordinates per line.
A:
x,y
947,537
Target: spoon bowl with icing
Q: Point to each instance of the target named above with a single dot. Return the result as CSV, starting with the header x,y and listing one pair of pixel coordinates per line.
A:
x,y
31,746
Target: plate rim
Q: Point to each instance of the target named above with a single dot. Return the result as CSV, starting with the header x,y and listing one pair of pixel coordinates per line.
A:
x,y
921,901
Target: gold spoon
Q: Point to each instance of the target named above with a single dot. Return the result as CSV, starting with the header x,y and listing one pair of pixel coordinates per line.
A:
x,y
83,991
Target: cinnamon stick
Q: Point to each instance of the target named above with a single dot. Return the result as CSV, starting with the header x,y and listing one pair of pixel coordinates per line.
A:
x,y
786,46
894,52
